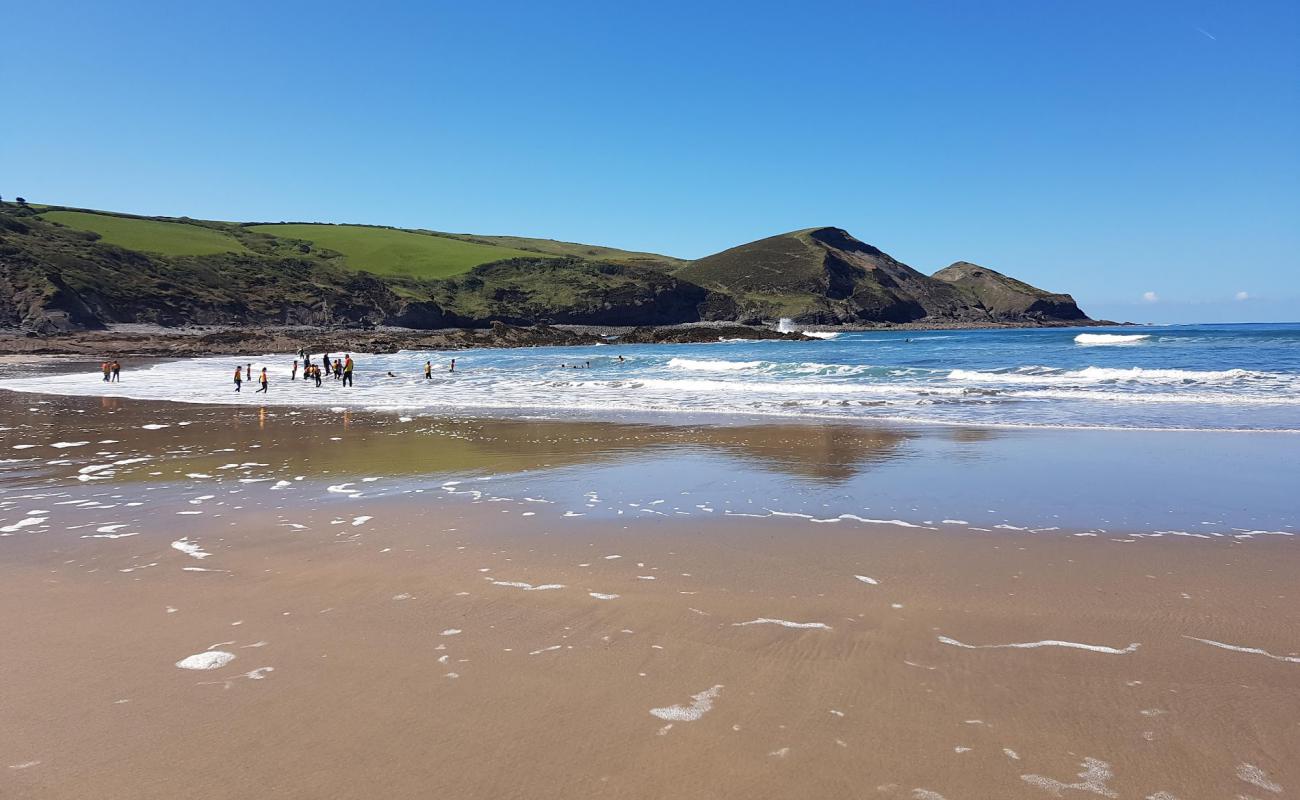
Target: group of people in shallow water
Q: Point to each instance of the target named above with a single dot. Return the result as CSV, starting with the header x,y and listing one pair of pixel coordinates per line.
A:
x,y
340,368
112,371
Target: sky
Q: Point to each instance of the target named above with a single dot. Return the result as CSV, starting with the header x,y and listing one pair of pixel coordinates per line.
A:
x,y
1144,157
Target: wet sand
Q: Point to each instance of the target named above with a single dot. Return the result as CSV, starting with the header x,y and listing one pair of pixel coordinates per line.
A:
x,y
418,635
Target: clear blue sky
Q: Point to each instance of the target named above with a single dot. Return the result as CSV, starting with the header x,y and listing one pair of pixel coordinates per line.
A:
x,y
1108,149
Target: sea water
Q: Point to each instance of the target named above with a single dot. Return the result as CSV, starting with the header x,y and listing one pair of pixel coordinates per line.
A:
x,y
1203,377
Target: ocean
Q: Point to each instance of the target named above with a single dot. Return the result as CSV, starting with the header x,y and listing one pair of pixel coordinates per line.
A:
x,y
1193,377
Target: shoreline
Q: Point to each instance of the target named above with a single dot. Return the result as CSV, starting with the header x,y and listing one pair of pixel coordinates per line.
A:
x,y
150,340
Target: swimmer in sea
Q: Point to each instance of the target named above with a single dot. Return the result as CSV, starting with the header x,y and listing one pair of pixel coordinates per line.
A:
x,y
453,366
428,370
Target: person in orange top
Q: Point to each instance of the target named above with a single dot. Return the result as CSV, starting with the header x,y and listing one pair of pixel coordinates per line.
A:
x,y
239,378
347,370
263,381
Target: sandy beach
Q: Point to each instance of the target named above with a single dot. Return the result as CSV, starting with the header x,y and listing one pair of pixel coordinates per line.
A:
x,y
210,602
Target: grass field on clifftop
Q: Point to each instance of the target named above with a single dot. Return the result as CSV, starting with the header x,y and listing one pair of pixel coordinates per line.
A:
x,y
150,236
385,251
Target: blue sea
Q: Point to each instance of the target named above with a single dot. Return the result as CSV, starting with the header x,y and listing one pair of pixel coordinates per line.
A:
x,y
1198,377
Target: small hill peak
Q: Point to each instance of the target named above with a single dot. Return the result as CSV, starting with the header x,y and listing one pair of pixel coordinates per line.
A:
x,y
841,239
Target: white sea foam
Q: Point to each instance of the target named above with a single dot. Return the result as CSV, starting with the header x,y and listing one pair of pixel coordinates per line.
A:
x,y
785,623
1092,778
1240,649
190,548
865,579
1096,648
1257,777
700,705
1110,338
603,596
713,366
210,659
528,587
22,523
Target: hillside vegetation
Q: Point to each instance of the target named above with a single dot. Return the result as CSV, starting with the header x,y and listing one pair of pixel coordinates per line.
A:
x,y
151,236
389,251
66,269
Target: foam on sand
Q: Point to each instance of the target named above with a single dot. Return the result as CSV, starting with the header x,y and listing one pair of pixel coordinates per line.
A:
x,y
865,579
1257,777
23,523
210,659
1110,338
785,623
1096,648
190,548
700,704
602,596
1093,778
1254,650
528,587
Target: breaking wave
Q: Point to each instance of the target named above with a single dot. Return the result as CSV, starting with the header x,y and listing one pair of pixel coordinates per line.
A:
x,y
1110,338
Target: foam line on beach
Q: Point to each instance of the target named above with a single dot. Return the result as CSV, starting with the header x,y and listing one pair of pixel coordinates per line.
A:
x,y
1240,649
1096,648
528,587
785,623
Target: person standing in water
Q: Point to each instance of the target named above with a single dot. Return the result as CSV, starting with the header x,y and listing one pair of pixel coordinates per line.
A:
x,y
117,371
428,370
239,378
453,366
294,377
347,369
106,369
265,383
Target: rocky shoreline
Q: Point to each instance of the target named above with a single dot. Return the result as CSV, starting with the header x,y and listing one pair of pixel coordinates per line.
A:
x,y
157,341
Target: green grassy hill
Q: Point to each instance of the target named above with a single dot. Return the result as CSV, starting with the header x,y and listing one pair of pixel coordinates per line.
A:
x,y
590,252
389,251
421,255
150,236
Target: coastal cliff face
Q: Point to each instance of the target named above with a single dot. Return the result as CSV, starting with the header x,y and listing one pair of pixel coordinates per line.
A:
x,y
1005,298
55,276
